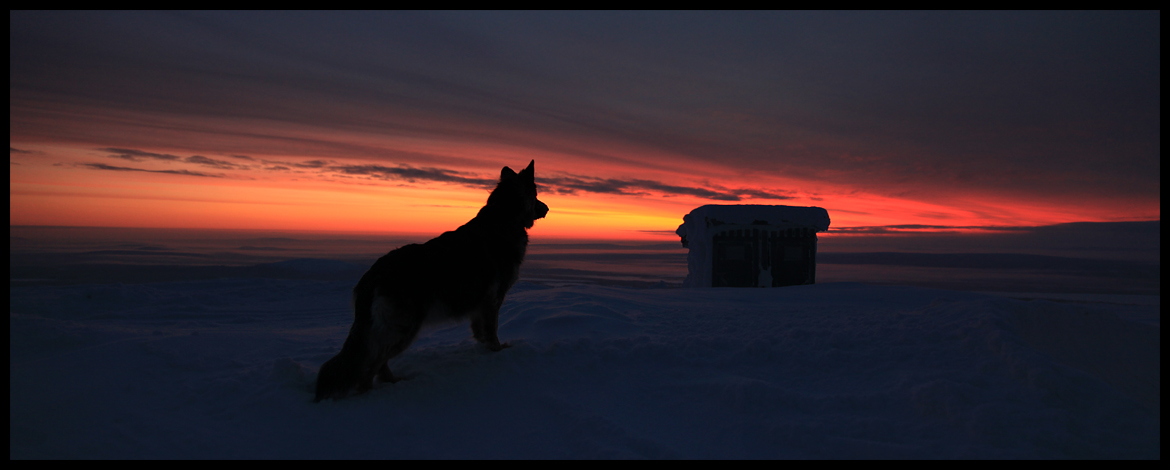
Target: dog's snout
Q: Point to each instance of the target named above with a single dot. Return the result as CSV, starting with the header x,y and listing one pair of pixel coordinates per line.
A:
x,y
541,209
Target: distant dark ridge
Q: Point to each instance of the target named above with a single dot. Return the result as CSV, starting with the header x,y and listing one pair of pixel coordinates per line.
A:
x,y
142,251
318,270
1112,268
609,246
615,257
1130,269
263,248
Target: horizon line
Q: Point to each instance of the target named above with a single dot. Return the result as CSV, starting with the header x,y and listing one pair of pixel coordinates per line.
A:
x,y
867,230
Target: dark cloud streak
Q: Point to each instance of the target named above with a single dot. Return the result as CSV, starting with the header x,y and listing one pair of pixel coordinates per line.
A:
x,y
411,174
570,184
139,155
12,150
213,163
573,184
915,228
311,164
103,166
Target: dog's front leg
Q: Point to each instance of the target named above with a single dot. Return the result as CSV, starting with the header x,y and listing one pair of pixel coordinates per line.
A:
x,y
484,325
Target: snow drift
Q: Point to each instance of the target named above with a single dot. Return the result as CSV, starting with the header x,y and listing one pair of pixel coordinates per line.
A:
x,y
224,369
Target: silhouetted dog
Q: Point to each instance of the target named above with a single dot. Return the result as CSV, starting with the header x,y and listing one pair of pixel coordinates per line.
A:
x,y
460,274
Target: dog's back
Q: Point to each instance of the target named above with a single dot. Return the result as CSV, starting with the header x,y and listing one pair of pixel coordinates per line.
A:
x,y
460,274
458,269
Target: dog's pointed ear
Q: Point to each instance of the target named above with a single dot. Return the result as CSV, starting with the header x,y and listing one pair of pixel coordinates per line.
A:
x,y
530,172
507,174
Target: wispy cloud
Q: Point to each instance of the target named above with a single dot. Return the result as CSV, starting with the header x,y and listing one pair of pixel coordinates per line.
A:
x,y
917,228
311,164
762,194
568,184
638,187
103,166
574,184
213,163
12,150
412,174
138,155
282,165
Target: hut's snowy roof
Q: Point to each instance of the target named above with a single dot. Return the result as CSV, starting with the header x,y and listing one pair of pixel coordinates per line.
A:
x,y
809,217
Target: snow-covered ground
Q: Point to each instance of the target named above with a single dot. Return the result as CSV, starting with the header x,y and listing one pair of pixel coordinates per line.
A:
x,y
224,369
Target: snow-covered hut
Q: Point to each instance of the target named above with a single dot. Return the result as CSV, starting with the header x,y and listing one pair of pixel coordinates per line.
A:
x,y
752,245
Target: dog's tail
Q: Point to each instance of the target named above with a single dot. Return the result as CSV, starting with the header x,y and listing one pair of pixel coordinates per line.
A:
x,y
341,374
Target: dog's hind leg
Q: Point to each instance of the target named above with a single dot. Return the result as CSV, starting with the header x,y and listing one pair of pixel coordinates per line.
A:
x,y
384,374
391,348
394,329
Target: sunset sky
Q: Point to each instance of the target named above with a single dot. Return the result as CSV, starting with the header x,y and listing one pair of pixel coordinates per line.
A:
x,y
393,121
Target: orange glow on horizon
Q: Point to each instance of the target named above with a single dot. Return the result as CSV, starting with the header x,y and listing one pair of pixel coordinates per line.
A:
x,y
54,187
